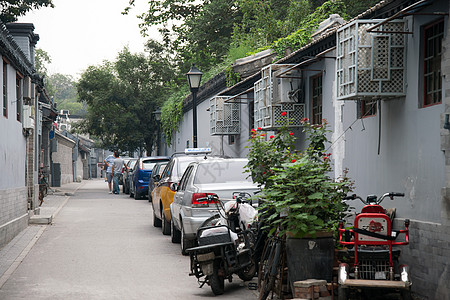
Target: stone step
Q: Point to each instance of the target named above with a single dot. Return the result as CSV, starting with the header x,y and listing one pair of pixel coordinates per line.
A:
x,y
41,219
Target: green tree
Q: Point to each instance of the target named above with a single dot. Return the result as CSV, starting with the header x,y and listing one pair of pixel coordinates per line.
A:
x,y
12,9
121,97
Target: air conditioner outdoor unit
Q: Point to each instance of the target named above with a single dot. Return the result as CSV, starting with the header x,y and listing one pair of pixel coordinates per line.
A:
x,y
371,64
273,97
27,89
28,121
224,116
287,86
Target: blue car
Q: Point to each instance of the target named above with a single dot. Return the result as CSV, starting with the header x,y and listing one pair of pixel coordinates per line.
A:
x,y
142,173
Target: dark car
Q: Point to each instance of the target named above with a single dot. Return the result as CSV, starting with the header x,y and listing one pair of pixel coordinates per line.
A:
x,y
141,175
157,171
127,175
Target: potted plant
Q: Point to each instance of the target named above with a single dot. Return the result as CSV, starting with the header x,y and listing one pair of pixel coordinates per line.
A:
x,y
299,198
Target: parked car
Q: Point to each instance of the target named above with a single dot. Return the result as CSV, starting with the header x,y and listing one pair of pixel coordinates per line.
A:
x,y
125,161
127,175
141,174
157,171
221,177
164,191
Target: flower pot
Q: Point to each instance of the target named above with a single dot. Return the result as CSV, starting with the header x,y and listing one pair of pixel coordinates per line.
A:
x,y
310,258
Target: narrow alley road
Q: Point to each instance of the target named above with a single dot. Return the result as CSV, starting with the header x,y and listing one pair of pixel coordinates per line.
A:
x,y
104,246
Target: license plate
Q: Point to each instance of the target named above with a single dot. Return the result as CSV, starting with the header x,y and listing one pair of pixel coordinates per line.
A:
x,y
380,275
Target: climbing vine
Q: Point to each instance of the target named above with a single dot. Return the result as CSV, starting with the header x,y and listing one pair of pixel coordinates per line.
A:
x,y
172,113
302,36
232,76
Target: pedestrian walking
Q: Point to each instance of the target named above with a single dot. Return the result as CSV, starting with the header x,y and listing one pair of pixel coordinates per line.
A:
x,y
109,176
117,166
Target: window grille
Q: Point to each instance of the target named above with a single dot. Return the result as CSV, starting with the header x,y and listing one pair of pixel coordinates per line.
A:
x,y
432,63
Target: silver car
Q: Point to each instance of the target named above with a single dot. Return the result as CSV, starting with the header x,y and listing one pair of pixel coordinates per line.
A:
x,y
213,176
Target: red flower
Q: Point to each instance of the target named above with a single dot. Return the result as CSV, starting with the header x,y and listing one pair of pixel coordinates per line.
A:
x,y
294,160
304,120
253,130
259,128
284,113
272,136
262,134
329,154
291,133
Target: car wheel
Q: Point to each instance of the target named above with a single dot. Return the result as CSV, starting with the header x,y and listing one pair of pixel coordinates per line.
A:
x,y
185,243
156,221
137,195
131,193
165,224
175,234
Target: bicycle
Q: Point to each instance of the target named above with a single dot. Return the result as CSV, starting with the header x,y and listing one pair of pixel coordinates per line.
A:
x,y
272,267
44,187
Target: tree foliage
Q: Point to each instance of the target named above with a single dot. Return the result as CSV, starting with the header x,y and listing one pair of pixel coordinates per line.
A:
x,y
121,97
213,33
12,9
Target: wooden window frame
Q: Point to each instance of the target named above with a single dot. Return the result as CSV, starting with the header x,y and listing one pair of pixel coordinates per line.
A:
x,y
368,108
5,88
317,99
19,93
433,34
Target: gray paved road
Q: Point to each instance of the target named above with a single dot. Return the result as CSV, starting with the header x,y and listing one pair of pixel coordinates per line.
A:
x,y
103,246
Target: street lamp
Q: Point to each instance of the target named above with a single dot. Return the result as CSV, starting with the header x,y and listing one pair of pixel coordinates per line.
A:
x,y
194,77
157,114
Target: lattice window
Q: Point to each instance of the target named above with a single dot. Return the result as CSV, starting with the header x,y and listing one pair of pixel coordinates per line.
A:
x,y
433,35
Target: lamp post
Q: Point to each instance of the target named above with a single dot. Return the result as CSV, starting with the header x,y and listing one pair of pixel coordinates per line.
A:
x,y
157,114
194,77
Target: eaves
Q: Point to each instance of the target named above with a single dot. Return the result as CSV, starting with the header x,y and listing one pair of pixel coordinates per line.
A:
x,y
12,51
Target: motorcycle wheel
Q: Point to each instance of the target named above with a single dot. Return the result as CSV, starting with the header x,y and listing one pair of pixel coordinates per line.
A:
x,y
342,293
216,282
248,272
406,294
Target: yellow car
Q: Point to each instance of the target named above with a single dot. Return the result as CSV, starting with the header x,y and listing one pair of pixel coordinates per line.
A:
x,y
164,190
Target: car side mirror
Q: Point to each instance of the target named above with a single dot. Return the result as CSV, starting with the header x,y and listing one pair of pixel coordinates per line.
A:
x,y
157,177
173,186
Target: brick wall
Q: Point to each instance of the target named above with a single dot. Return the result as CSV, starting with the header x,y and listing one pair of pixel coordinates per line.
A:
x,y
64,157
428,255
14,216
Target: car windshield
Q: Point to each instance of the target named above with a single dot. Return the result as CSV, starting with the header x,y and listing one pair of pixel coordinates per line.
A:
x,y
223,171
148,164
131,164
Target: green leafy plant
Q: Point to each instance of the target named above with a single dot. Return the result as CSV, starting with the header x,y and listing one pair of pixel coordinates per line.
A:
x,y
267,152
299,197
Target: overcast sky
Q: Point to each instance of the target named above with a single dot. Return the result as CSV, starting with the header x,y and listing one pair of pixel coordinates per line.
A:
x,y
80,33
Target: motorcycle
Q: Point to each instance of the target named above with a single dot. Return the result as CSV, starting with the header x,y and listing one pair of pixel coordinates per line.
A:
x,y
370,245
225,244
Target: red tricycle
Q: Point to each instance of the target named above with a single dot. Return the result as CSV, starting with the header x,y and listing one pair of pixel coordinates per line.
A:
x,y
373,260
